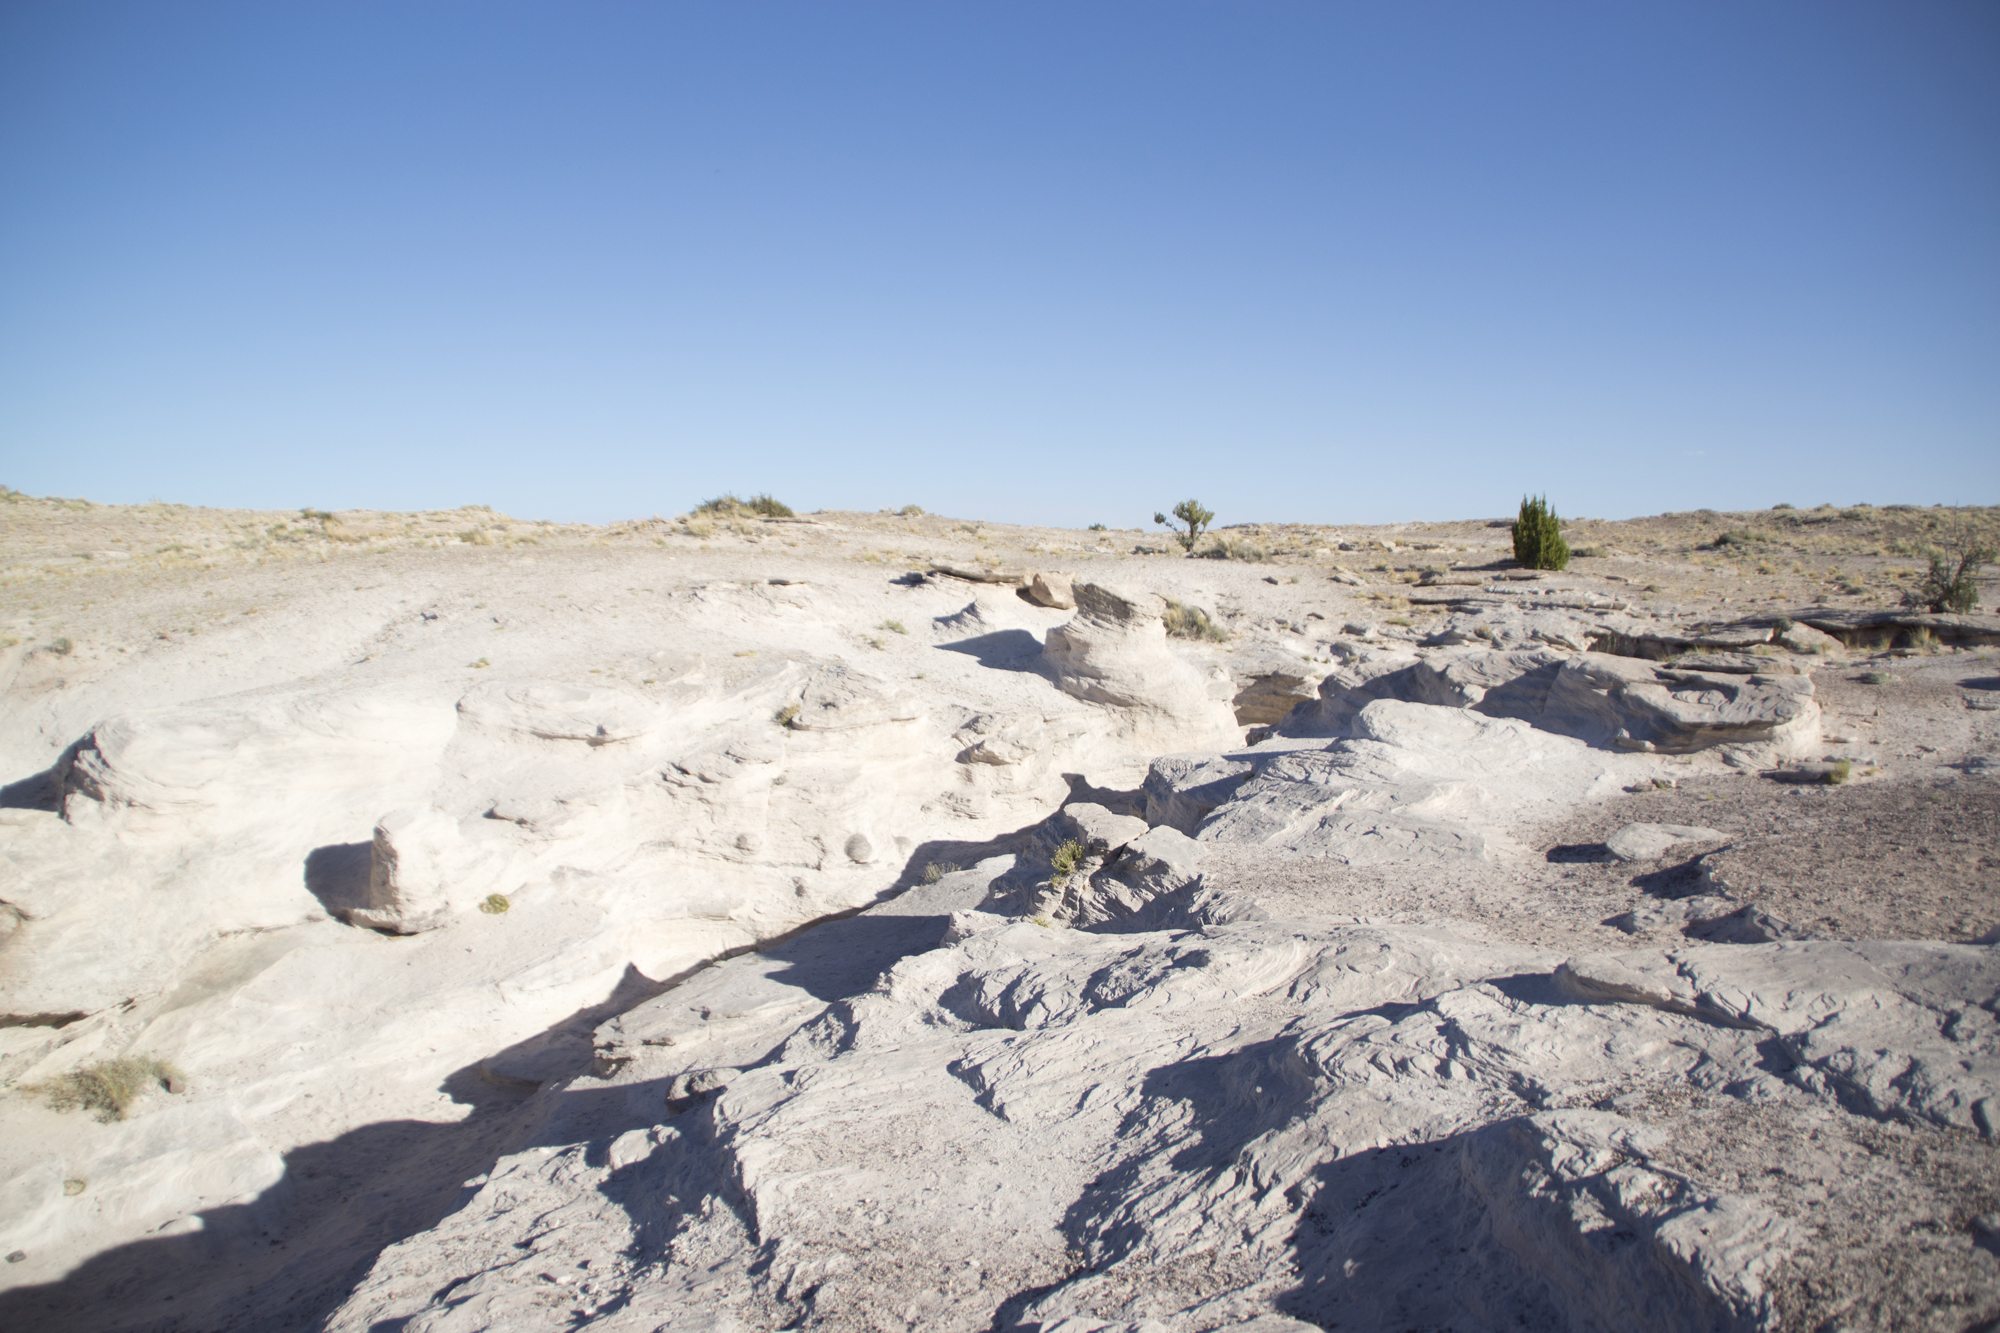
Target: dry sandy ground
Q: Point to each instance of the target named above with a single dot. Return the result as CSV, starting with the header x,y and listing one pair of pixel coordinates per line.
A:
x,y
106,609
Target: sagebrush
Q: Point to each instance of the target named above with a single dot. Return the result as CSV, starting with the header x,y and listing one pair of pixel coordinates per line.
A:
x,y
1948,585
761,504
1191,622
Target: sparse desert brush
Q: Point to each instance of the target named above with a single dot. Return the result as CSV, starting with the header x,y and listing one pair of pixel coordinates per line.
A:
x,y
893,626
1227,547
1538,541
1066,858
106,1089
911,511
1191,622
937,870
1839,772
784,716
761,504
61,647
1949,583
494,904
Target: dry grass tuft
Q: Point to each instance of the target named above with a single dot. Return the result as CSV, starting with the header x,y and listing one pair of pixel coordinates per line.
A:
x,y
106,1089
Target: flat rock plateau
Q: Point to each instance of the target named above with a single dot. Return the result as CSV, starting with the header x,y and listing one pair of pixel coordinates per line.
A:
x,y
883,921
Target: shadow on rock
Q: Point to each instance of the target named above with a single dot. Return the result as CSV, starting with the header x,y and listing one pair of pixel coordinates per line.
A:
x,y
1681,880
337,875
1003,650
288,1257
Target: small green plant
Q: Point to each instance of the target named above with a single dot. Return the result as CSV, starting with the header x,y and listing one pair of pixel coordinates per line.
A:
x,y
1191,513
480,665
1949,583
911,511
1066,858
1404,621
108,1088
784,716
1784,624
1099,527
1876,678
1483,632
893,626
495,904
61,647
937,870
1839,772
1538,542
1191,622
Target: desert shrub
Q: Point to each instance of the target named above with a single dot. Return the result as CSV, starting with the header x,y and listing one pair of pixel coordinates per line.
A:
x,y
61,647
494,904
315,515
893,626
907,511
1191,513
1066,858
1949,583
1840,771
1191,622
761,504
1538,542
1738,537
1784,506
106,1089
783,717
1233,548
1784,624
1099,527
1876,678
937,870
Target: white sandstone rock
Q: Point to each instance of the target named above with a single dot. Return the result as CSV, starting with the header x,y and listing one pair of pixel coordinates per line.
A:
x,y
1115,653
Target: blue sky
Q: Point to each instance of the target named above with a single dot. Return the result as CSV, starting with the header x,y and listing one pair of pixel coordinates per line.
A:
x,y
1028,262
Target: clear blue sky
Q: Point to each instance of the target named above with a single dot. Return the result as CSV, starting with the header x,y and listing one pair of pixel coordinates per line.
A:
x,y
1028,262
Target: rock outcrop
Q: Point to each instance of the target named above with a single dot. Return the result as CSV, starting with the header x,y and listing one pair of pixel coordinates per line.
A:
x,y
1115,654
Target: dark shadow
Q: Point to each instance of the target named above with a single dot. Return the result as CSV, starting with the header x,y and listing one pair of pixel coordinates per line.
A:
x,y
1675,881
337,875
1003,650
285,1259
1524,698
1579,853
1798,777
290,1256
1119,801
1981,683
43,790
